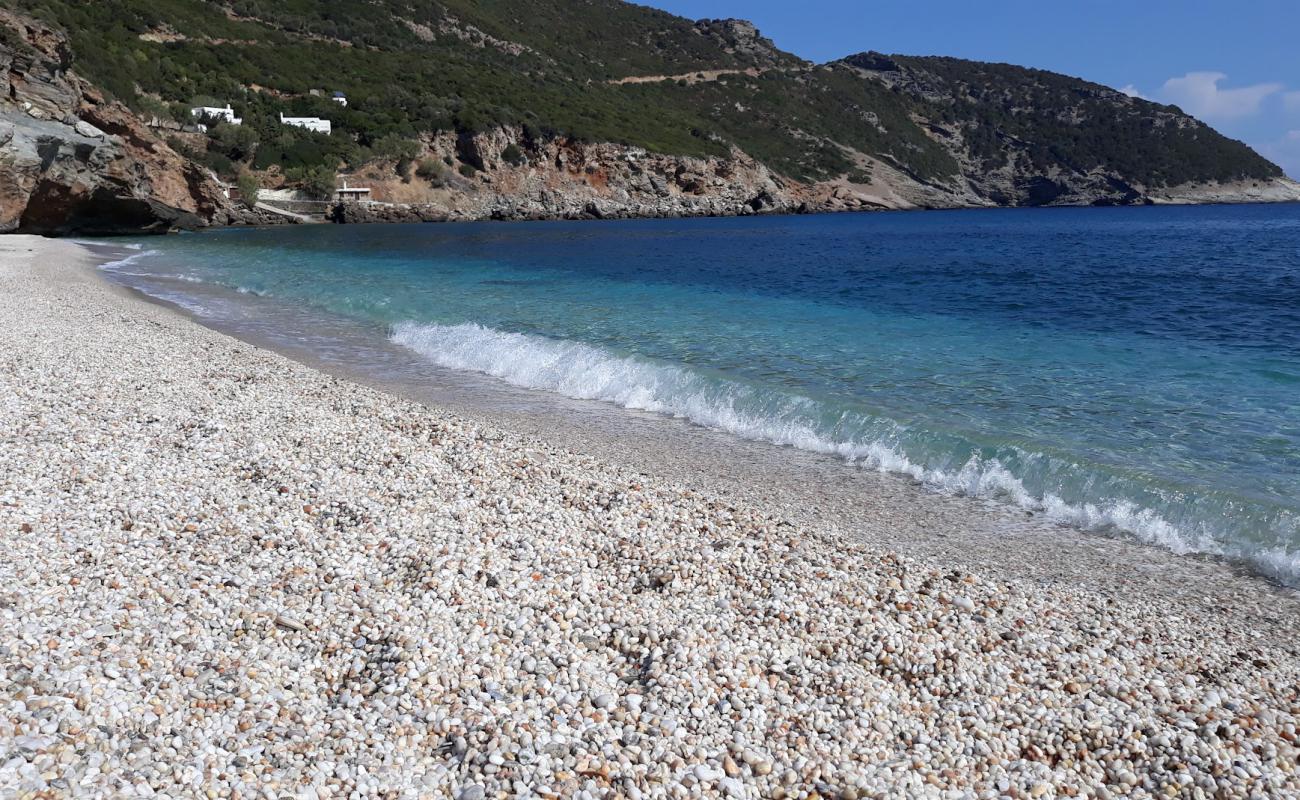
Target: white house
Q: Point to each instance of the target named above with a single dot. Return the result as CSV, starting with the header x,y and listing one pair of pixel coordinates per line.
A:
x,y
310,123
340,98
227,115
355,194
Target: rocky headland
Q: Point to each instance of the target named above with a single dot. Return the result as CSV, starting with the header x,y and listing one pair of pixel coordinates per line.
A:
x,y
74,162
899,133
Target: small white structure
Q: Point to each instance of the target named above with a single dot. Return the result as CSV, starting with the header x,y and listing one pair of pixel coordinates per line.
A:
x,y
340,98
310,123
205,113
354,194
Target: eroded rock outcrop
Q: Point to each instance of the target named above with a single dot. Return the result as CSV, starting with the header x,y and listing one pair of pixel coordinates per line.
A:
x,y
742,37
351,213
72,161
561,178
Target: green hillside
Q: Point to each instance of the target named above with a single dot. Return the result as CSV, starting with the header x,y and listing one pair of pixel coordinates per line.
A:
x,y
415,67
1055,120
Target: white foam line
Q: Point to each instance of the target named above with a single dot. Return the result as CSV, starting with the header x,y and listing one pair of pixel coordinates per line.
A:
x,y
114,266
586,372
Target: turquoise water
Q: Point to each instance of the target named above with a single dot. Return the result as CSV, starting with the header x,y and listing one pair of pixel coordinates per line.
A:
x,y
1129,370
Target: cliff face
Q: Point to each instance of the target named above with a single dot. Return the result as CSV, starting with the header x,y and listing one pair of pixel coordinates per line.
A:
x,y
559,178
73,162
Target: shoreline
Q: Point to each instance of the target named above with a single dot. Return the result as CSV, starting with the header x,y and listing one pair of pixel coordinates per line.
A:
x,y
268,575
408,214
815,490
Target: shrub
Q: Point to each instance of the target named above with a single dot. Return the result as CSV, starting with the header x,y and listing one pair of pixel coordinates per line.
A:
x,y
433,171
394,146
468,170
249,187
149,107
217,163
180,146
513,155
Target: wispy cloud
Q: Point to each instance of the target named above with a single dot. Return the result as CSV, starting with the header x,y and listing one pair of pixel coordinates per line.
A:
x,y
1198,93
1132,91
1291,102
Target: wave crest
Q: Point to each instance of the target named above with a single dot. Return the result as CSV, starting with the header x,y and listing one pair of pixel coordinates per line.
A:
x,y
116,265
583,371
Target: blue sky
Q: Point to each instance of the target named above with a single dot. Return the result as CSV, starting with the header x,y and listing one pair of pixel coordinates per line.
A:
x,y
1235,65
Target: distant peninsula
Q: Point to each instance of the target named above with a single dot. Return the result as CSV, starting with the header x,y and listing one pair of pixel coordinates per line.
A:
x,y
125,116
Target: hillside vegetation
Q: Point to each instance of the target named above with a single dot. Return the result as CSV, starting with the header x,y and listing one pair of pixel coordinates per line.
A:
x,y
1057,122
413,68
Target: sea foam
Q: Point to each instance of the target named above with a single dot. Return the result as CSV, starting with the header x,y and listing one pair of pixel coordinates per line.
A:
x,y
587,372
117,264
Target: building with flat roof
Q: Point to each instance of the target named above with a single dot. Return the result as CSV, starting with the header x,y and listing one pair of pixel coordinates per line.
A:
x,y
310,123
205,114
354,194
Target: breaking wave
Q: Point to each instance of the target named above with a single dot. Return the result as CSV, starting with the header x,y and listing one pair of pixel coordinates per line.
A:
x,y
118,264
1062,490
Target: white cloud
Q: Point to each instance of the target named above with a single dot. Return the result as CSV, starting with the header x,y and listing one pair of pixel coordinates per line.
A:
x,y
1284,152
1132,91
1198,93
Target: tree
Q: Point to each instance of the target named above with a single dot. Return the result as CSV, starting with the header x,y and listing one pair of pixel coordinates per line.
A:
x,y
235,142
319,182
249,187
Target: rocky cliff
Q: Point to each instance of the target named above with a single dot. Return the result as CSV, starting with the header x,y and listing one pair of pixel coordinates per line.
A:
x,y
73,162
564,178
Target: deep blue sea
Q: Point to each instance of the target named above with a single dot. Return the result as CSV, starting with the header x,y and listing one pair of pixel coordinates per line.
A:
x,y
1132,370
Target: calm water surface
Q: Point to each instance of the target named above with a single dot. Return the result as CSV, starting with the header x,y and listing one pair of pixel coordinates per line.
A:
x,y
1131,370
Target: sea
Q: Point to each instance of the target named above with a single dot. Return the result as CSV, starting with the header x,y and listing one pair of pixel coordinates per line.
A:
x,y
1128,372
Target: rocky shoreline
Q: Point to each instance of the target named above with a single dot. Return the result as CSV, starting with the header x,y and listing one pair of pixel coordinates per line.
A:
x,y
232,575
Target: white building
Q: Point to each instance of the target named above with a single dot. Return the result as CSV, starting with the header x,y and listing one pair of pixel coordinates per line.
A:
x,y
310,123
340,98
204,113
353,194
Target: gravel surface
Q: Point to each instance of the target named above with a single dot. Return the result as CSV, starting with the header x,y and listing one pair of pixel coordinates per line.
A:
x,y
230,575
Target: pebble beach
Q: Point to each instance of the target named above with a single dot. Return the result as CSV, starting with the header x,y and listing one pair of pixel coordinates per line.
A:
x,y
227,574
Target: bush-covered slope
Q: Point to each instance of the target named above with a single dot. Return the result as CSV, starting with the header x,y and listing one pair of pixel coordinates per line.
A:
x,y
1004,111
413,68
